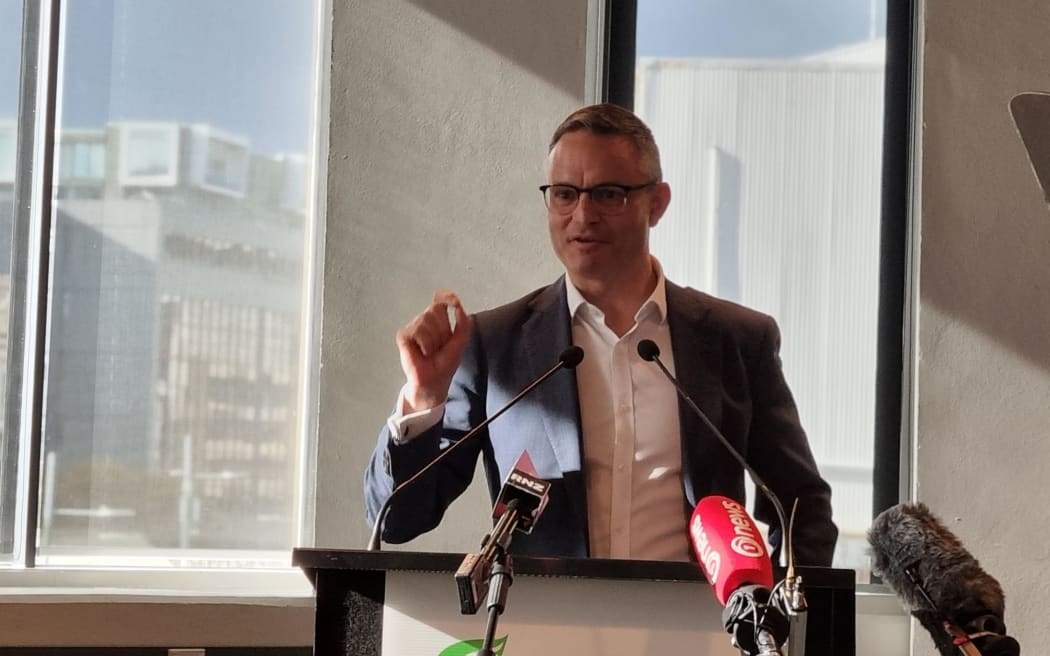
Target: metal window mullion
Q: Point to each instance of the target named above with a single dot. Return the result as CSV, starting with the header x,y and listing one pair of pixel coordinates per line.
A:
x,y
310,323
897,268
620,52
30,247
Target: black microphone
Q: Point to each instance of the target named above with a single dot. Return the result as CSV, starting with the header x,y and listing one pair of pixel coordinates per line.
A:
x,y
789,597
520,503
650,352
525,486
940,582
568,359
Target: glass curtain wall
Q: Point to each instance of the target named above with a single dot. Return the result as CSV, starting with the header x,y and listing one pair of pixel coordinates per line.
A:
x,y
181,244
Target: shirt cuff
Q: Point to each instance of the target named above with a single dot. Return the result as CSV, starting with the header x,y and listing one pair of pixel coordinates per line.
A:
x,y
403,428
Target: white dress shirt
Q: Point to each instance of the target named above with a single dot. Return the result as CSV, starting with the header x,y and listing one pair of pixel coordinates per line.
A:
x,y
632,449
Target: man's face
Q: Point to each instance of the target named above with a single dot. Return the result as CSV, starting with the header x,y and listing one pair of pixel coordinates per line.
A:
x,y
593,244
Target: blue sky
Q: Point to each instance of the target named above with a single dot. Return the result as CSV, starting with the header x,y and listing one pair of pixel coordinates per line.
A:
x,y
753,28
10,29
244,65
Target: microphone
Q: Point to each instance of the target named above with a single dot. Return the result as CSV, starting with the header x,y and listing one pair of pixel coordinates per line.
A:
x,y
789,596
568,359
524,485
940,582
521,501
734,559
650,352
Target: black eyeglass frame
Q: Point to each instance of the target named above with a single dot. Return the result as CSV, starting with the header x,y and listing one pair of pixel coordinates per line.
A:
x,y
626,189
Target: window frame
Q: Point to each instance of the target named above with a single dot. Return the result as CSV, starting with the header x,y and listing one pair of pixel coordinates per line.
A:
x,y
893,427
36,146
31,237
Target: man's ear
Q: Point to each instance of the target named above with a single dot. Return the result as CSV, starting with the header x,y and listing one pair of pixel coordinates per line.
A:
x,y
661,198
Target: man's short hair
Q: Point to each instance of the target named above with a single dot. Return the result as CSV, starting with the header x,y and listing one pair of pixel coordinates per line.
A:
x,y
612,120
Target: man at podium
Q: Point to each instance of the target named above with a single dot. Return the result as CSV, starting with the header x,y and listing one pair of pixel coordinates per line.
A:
x,y
626,459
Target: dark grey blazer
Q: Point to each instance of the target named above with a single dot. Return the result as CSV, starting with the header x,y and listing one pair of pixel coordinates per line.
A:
x,y
726,357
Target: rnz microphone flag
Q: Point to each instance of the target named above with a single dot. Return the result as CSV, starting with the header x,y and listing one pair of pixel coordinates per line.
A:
x,y
525,485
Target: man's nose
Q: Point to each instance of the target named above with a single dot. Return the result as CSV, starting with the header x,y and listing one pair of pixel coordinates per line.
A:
x,y
586,210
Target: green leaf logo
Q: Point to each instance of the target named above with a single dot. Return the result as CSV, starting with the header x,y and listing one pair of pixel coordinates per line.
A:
x,y
470,647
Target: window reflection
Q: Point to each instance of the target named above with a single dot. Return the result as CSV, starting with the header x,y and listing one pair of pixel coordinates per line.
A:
x,y
10,65
173,379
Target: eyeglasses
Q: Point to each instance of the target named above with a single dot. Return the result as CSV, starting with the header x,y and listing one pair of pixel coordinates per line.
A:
x,y
610,198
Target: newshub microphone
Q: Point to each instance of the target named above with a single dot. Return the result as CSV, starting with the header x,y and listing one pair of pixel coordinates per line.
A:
x,y
791,596
568,359
940,582
520,503
733,556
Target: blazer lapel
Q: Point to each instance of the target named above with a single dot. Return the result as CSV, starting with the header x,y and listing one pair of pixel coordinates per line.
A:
x,y
698,366
545,335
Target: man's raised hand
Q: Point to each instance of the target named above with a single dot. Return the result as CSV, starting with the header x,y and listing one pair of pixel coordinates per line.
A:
x,y
431,348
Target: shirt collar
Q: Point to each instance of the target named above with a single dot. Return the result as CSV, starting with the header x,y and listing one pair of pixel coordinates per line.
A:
x,y
657,301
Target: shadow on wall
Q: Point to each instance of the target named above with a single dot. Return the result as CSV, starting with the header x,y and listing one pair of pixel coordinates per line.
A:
x,y
985,230
516,30
1031,112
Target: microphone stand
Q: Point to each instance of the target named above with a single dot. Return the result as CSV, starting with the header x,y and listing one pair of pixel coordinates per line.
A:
x,y
500,580
788,593
757,627
792,599
957,636
569,358
501,575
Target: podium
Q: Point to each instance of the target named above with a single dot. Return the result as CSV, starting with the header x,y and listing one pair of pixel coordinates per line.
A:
x,y
403,603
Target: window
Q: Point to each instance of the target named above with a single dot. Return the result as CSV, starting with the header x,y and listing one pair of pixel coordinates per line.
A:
x,y
171,428
10,62
82,156
149,154
7,150
220,161
770,122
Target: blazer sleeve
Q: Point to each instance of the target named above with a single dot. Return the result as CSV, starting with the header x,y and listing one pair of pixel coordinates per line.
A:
x,y
779,451
419,507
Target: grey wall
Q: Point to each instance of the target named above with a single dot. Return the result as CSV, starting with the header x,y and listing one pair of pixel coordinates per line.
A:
x,y
440,116
983,361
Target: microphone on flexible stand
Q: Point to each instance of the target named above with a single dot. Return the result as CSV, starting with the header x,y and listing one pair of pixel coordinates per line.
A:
x,y
732,554
790,594
940,582
568,359
520,503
